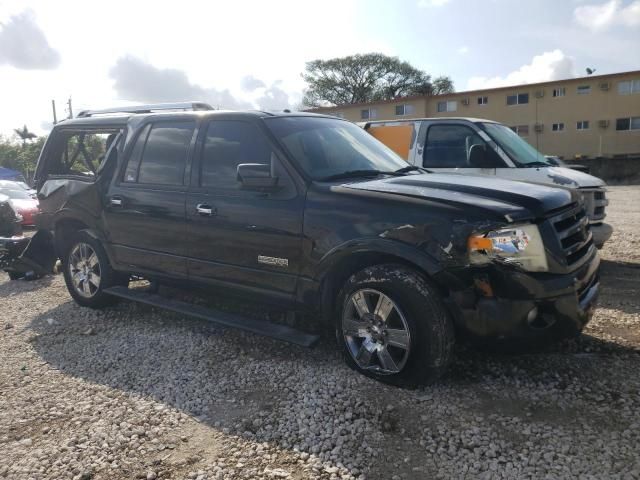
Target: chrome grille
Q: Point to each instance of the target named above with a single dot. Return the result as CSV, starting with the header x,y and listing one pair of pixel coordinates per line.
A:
x,y
573,232
595,202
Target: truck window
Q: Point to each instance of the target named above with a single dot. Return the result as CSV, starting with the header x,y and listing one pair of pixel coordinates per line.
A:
x,y
80,153
448,146
131,172
165,153
227,144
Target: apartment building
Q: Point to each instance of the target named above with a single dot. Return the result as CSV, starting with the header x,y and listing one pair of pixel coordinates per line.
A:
x,y
594,116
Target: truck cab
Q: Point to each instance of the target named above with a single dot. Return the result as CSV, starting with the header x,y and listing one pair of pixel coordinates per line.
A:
x,y
472,146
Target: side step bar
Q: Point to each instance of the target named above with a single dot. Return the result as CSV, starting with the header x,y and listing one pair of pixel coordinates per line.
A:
x,y
268,329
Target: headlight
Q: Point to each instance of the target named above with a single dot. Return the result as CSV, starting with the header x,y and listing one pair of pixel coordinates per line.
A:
x,y
521,245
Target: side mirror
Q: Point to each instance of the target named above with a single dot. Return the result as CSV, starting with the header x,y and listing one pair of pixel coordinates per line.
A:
x,y
256,176
478,157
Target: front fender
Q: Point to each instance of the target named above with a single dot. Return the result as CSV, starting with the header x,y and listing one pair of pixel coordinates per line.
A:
x,y
380,246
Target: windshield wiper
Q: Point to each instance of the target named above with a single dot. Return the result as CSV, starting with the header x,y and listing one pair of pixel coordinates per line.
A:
x,y
537,164
358,173
413,168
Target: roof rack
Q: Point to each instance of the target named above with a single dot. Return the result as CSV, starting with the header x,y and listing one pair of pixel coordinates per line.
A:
x,y
155,107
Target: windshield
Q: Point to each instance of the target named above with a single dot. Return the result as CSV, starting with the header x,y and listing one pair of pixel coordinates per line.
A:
x,y
518,149
325,147
15,194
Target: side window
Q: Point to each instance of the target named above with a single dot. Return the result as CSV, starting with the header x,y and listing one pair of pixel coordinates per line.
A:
x,y
165,153
81,153
448,146
227,144
131,172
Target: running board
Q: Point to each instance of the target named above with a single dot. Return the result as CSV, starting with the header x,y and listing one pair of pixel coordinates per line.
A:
x,y
260,327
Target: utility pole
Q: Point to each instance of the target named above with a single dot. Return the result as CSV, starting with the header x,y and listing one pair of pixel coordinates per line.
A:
x,y
55,116
70,109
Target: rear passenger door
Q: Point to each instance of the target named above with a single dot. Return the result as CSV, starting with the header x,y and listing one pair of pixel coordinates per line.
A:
x,y
238,237
446,148
145,204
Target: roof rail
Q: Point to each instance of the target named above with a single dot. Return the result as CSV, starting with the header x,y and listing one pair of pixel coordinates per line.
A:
x,y
154,107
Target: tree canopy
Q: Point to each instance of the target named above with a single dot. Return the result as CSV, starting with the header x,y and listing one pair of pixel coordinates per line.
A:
x,y
366,78
21,157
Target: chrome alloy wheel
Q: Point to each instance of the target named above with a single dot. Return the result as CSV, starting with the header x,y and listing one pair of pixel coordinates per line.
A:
x,y
375,332
84,269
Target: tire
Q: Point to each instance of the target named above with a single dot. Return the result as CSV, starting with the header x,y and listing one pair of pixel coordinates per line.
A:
x,y
392,326
87,272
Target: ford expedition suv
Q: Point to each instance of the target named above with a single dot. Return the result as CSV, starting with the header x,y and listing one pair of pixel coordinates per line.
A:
x,y
472,146
313,214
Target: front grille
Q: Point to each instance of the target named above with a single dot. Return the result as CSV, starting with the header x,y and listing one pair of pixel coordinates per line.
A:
x,y
595,202
572,229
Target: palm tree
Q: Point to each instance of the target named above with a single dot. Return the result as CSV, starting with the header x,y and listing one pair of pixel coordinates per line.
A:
x,y
25,134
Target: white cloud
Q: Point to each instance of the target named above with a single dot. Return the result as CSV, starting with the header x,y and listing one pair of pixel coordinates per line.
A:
x,y
24,45
136,80
274,98
548,66
432,3
602,16
463,50
249,83
139,81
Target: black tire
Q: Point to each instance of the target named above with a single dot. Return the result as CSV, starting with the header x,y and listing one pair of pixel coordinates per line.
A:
x,y
417,309
96,298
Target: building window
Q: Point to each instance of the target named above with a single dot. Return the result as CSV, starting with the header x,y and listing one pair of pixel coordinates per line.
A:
x,y
483,100
518,99
557,127
632,123
522,130
629,86
405,109
584,89
338,114
559,92
582,125
450,106
368,114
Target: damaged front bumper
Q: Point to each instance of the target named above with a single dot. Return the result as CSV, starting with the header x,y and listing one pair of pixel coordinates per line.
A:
x,y
524,307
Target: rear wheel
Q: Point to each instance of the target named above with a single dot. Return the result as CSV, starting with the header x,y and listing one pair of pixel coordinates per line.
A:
x,y
87,272
393,327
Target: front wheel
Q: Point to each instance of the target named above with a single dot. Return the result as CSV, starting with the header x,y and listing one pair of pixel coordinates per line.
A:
x,y
87,272
393,327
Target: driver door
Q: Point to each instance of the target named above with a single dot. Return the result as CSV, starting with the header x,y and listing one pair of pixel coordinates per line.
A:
x,y
240,237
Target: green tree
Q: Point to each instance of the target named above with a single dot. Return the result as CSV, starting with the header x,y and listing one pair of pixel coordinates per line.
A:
x,y
25,134
22,158
366,78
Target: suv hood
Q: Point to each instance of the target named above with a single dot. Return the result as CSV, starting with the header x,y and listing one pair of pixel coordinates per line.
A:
x,y
514,200
577,179
562,176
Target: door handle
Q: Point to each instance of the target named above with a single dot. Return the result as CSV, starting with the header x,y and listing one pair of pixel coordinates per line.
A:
x,y
205,210
116,201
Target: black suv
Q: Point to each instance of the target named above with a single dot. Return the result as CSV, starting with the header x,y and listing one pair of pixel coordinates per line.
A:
x,y
314,214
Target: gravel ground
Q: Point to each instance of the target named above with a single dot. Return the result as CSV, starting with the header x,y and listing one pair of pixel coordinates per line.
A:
x,y
133,392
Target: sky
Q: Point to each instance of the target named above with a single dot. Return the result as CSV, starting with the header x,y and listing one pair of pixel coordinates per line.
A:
x,y
250,54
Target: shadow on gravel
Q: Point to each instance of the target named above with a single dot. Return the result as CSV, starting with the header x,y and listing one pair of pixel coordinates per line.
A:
x,y
124,350
259,388
16,287
619,280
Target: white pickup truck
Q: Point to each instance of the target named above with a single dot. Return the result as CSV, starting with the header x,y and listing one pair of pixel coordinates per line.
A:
x,y
474,146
